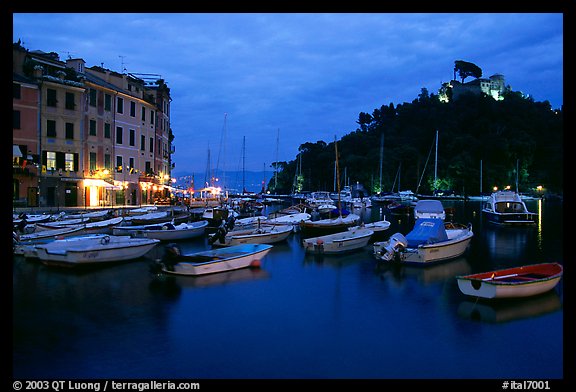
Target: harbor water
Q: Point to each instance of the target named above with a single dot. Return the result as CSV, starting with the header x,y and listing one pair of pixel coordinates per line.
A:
x,y
299,316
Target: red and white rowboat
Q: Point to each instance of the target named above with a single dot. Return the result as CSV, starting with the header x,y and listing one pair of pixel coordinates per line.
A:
x,y
514,282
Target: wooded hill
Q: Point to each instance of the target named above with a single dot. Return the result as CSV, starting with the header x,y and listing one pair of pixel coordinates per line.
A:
x,y
474,131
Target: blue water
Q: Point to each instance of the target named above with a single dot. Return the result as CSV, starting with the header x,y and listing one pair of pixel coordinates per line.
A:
x,y
298,317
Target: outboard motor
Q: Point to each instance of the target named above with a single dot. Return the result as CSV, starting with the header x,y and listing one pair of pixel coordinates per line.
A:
x,y
395,244
219,235
171,257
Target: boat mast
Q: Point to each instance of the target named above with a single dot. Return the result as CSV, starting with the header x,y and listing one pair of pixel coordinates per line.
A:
x,y
244,164
338,175
436,163
381,160
276,165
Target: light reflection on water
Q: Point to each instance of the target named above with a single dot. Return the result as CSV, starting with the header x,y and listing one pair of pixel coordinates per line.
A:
x,y
300,316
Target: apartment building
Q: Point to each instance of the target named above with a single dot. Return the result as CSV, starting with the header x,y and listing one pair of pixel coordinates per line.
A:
x,y
99,140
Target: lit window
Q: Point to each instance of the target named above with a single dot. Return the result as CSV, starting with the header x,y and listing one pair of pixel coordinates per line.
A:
x,y
51,160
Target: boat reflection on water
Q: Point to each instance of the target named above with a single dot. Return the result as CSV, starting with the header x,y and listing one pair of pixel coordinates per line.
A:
x,y
425,274
172,285
505,243
509,309
339,260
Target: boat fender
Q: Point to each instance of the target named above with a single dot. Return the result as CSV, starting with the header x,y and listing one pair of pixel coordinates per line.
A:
x,y
255,264
105,240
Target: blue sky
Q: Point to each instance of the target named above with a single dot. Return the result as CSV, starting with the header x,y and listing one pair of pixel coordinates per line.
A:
x,y
283,79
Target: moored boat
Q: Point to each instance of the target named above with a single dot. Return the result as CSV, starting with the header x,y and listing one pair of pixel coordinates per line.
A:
x,y
164,232
431,240
263,234
508,208
524,281
337,243
96,250
328,226
212,261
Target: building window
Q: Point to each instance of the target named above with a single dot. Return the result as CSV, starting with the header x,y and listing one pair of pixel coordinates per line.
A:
x,y
118,135
69,131
50,160
107,102
142,143
151,144
107,161
151,116
119,105
15,119
51,97
143,113
131,167
50,128
16,94
119,164
132,109
69,161
107,130
92,127
148,168
132,137
92,163
92,97
70,101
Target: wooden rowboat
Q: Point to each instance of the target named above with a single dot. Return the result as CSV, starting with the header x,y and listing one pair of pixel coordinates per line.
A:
x,y
514,282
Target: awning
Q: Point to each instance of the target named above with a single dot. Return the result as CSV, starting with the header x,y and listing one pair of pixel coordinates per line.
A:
x,y
16,151
102,183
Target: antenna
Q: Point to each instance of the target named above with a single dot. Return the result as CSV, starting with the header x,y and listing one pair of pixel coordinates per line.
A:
x,y
122,66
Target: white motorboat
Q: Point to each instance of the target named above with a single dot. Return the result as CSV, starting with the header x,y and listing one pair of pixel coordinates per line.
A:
x,y
164,232
431,240
508,208
98,227
263,234
378,227
321,227
212,261
94,250
337,243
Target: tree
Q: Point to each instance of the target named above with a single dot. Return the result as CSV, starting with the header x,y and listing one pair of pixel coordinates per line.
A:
x,y
466,69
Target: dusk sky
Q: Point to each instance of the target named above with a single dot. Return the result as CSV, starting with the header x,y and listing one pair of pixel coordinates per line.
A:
x,y
284,79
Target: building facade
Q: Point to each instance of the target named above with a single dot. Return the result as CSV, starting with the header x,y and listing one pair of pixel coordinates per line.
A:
x,y
94,137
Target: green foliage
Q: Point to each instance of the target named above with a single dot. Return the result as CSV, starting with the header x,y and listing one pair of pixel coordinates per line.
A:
x,y
472,129
465,69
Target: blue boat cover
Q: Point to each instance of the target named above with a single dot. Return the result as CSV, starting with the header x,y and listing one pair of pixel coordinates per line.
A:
x,y
426,231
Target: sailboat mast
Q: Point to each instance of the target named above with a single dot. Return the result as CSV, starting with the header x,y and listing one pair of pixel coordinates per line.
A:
x,y
244,164
436,163
381,160
276,165
338,175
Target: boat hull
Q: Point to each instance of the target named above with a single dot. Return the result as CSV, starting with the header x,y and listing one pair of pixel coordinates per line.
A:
x,y
520,219
338,243
183,231
224,259
454,247
513,282
93,251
